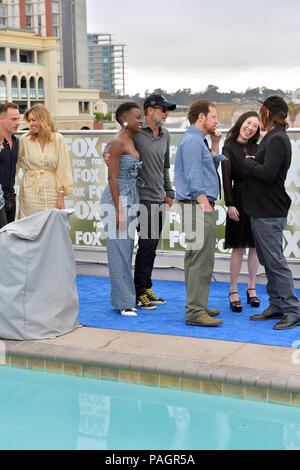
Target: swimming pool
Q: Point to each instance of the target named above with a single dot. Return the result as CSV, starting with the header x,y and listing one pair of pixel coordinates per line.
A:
x,y
47,411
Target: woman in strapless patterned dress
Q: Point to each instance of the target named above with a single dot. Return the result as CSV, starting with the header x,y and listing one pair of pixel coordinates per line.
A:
x,y
120,203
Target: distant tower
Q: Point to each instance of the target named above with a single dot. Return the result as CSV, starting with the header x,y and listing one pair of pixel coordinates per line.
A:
x,y
106,64
74,43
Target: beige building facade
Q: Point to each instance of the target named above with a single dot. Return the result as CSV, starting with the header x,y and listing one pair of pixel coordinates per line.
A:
x,y
65,20
28,75
228,113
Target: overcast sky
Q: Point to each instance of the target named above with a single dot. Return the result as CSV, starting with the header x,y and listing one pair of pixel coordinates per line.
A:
x,y
232,44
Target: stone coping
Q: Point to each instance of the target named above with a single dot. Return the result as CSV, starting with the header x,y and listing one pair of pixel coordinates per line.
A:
x,y
274,386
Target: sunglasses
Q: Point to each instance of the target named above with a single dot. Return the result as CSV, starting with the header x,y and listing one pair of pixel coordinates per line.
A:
x,y
163,108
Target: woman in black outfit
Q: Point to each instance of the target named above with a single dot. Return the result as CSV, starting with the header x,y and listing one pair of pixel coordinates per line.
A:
x,y
241,141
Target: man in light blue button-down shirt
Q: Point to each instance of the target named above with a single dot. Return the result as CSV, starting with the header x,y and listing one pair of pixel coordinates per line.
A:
x,y
197,187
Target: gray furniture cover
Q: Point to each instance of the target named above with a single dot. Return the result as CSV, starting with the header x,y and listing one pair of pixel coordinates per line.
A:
x,y
38,294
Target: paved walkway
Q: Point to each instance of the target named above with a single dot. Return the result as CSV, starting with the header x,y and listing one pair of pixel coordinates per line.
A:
x,y
228,353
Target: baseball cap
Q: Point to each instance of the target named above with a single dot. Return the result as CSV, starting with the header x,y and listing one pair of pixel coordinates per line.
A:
x,y
156,99
276,105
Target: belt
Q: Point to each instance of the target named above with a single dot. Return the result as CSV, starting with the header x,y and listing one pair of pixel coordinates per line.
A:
x,y
35,176
194,201
10,196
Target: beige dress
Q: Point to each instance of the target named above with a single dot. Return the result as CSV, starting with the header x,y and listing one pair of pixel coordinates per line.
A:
x,y
45,172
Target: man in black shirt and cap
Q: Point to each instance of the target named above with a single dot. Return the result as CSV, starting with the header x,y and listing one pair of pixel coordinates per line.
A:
x,y
267,202
9,123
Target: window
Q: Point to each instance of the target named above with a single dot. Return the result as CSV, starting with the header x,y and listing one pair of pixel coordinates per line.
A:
x,y
41,92
26,57
28,8
32,88
14,88
28,22
2,54
39,19
13,16
55,8
3,90
3,16
40,31
55,31
29,16
13,55
84,107
24,93
55,19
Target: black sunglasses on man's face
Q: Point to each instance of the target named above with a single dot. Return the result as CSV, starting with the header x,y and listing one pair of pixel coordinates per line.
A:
x,y
163,108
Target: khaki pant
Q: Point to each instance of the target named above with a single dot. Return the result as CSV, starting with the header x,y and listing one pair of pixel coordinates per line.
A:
x,y
199,262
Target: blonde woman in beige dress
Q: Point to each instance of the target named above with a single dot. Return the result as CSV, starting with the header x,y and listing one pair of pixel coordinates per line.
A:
x,y
44,158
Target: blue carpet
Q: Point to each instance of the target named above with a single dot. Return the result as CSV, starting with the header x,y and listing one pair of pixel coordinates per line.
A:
x,y
169,319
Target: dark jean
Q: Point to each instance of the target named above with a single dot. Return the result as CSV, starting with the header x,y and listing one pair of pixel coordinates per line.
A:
x,y
268,237
3,220
151,220
10,211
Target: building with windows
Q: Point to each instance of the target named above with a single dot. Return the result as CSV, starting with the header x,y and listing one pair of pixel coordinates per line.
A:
x,y
28,75
63,19
106,65
74,45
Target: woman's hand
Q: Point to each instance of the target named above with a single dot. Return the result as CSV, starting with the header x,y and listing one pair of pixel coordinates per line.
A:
x,y
233,213
106,158
60,201
121,220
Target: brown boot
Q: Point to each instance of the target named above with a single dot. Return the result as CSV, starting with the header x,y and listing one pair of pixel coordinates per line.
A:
x,y
204,320
213,312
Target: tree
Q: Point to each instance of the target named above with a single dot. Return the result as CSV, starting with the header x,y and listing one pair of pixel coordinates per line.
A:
x,y
98,117
108,117
294,110
211,93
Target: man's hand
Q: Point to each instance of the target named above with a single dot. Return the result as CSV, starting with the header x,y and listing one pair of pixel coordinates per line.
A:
x,y
216,136
202,199
169,201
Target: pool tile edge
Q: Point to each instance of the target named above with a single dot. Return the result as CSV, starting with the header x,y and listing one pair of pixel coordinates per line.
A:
x,y
204,377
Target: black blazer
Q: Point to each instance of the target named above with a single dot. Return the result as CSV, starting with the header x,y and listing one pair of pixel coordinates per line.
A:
x,y
265,195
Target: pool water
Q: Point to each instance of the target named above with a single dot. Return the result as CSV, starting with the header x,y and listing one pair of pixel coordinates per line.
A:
x,y
45,411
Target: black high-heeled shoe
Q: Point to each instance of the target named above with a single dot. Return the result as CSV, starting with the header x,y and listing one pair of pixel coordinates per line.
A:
x,y
254,301
235,305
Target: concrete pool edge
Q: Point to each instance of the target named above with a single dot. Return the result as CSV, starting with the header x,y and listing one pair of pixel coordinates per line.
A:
x,y
203,369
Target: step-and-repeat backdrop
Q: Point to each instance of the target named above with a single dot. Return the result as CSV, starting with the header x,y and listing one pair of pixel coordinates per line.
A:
x,y
90,179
